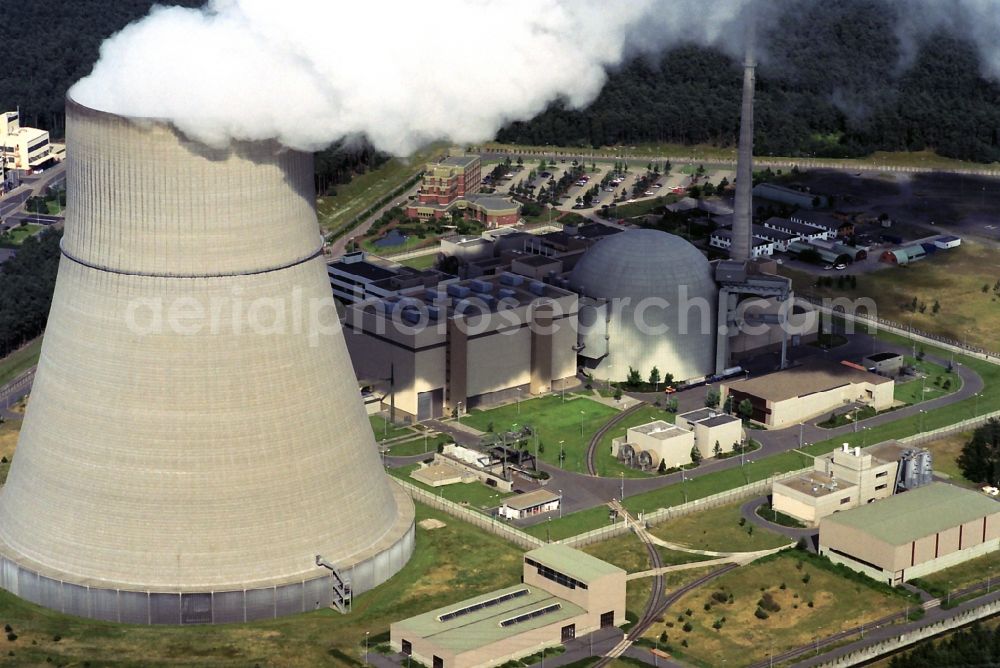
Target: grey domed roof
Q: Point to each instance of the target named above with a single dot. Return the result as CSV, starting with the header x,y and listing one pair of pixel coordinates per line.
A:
x,y
642,263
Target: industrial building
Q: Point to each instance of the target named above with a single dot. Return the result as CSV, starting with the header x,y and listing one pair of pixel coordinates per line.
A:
x,y
790,196
465,344
564,593
913,534
850,477
179,474
793,395
884,364
906,255
647,299
800,231
835,225
649,445
354,278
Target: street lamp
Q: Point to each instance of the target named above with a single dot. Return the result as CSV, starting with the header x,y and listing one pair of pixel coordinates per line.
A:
x,y
562,455
366,647
560,504
582,417
622,498
518,401
922,411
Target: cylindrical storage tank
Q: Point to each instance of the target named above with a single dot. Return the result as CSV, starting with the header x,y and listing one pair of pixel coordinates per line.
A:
x,y
660,300
195,436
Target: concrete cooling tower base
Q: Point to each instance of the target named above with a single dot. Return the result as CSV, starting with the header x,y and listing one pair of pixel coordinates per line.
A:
x,y
116,602
195,449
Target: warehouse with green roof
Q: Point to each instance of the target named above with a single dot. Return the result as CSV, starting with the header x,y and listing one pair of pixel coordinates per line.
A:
x,y
563,593
914,533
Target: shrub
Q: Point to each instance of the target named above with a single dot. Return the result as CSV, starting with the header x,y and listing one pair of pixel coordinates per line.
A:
x,y
707,607
687,627
663,637
768,603
689,612
810,604
684,643
717,624
760,614
782,586
743,521
720,596
12,637
806,578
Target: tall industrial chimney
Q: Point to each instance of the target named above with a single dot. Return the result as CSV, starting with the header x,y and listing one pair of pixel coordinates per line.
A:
x,y
742,245
195,446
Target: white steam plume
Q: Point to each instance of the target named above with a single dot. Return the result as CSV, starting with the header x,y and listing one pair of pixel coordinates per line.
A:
x,y
308,72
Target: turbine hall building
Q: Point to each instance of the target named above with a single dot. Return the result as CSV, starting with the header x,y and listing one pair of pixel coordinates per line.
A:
x,y
466,343
193,469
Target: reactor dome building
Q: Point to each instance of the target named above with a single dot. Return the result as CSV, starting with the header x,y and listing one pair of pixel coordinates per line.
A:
x,y
648,299
195,449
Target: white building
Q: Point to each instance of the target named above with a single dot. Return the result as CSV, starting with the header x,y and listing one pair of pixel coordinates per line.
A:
x,y
21,148
535,502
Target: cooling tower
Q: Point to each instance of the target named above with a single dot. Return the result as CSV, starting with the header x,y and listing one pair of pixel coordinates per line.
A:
x,y
195,437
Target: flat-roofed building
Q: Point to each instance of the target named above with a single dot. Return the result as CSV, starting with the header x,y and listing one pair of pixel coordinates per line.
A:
x,y
443,182
800,231
564,593
801,393
884,363
835,225
354,277
534,266
914,533
22,148
647,445
843,479
467,343
528,504
710,427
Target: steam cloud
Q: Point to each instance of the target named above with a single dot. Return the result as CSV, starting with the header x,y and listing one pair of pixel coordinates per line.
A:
x,y
309,72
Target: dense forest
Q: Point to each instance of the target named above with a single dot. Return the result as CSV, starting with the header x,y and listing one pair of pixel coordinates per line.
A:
x,y
26,284
832,82
975,646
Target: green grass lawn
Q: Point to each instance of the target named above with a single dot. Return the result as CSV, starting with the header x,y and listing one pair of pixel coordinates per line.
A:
x,y
626,210
16,236
450,563
421,261
718,530
475,495
607,465
937,382
628,552
419,446
572,421
384,430
20,361
837,603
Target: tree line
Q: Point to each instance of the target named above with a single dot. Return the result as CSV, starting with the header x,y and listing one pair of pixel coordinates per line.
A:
x,y
833,83
974,646
26,284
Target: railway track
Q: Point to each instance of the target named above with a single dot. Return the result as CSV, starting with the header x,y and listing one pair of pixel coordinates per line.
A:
x,y
658,602
596,438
